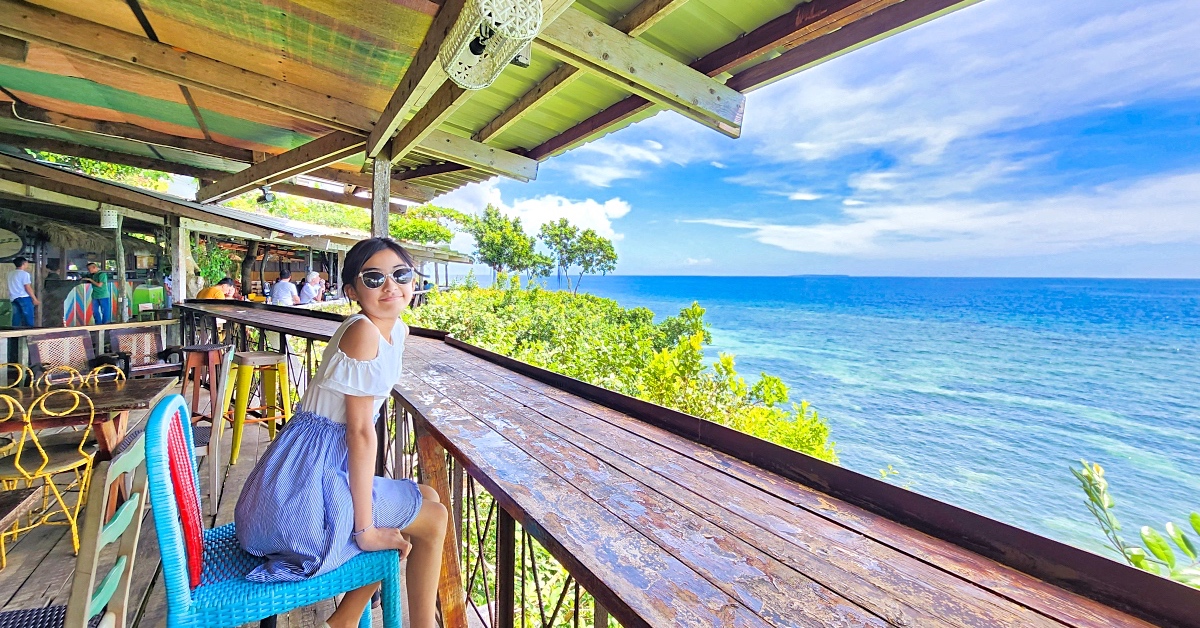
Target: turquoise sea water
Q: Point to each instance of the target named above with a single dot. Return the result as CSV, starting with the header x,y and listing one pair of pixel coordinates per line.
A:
x,y
980,392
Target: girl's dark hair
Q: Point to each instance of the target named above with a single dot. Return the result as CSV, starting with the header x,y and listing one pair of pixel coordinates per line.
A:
x,y
363,250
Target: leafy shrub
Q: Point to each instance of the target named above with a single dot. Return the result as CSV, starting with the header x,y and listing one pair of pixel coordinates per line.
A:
x,y
598,341
1158,557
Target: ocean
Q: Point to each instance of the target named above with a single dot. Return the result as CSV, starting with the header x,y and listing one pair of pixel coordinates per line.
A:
x,y
979,392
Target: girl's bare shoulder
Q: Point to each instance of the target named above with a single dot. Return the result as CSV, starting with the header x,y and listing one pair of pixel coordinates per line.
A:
x,y
361,340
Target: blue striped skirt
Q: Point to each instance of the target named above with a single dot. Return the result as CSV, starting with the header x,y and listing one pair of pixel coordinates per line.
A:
x,y
295,510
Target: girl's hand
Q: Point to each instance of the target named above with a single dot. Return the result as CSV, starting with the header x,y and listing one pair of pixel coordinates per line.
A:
x,y
376,539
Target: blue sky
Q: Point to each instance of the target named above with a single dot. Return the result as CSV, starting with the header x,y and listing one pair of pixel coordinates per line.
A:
x,y
1011,138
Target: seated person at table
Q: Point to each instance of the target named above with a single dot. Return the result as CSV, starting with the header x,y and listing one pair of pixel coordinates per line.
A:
x,y
223,290
284,291
101,300
313,501
312,289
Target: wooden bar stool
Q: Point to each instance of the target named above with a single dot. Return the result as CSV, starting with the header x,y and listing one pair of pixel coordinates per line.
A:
x,y
206,358
272,369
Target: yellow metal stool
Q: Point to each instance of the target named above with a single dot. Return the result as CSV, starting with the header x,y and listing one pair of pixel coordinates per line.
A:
x,y
273,379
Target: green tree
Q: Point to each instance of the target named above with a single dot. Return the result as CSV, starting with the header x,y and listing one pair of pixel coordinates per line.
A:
x,y
500,241
137,177
560,237
426,224
593,254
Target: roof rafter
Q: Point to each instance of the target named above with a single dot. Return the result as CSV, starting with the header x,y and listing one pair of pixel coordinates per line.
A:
x,y
634,23
62,181
22,111
423,75
326,149
138,54
585,42
807,22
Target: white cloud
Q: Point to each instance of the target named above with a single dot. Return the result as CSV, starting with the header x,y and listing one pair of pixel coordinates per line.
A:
x,y
691,261
803,195
717,164
995,66
534,212
1156,210
852,202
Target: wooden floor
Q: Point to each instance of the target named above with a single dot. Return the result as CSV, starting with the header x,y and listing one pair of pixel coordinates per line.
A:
x,y
41,563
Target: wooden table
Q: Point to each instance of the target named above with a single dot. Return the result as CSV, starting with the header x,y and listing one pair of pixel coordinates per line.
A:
x,y
113,401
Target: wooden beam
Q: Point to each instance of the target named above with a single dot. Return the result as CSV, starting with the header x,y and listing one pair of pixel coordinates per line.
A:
x,y
328,196
323,150
137,54
381,202
73,184
593,126
449,147
585,42
563,76
432,170
98,154
13,49
878,25
445,101
134,52
122,130
400,187
784,31
805,22
423,75
636,22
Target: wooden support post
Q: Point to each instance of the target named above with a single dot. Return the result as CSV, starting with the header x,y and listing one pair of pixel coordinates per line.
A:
x,y
381,195
247,266
122,281
506,569
432,460
308,262
599,614
178,243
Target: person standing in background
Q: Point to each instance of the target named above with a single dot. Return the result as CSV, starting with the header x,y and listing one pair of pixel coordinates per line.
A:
x,y
284,291
20,290
101,306
312,288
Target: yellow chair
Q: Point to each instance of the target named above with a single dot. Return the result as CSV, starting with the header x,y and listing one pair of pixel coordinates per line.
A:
x,y
272,369
34,461
54,376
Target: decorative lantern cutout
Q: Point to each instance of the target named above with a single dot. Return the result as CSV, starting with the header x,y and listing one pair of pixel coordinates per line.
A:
x,y
108,217
488,35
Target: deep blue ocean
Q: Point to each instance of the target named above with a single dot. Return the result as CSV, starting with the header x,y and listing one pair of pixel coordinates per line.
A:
x,y
980,392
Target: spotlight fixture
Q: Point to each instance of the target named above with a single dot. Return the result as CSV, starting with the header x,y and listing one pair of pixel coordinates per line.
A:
x,y
267,195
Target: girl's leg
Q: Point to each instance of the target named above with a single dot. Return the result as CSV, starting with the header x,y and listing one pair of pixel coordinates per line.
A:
x,y
352,607
427,533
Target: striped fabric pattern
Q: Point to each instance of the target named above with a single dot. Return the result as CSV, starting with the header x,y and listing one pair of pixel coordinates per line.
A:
x,y
295,510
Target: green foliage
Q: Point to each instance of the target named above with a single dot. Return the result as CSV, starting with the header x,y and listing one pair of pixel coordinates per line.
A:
x,y
560,237
1158,557
593,254
214,263
137,177
500,241
598,341
306,210
426,224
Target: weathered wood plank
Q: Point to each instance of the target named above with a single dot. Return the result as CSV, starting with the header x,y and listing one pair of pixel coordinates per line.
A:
x,y
581,534
1002,580
451,596
893,585
776,592
24,556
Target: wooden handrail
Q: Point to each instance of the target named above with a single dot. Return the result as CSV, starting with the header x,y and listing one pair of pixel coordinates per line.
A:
x,y
26,332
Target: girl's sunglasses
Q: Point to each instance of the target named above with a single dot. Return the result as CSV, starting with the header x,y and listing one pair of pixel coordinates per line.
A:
x,y
374,279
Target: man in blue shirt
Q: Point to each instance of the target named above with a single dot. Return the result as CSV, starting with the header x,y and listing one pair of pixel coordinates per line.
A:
x,y
20,290
284,291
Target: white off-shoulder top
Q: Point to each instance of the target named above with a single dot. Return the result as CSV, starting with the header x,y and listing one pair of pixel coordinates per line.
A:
x,y
340,375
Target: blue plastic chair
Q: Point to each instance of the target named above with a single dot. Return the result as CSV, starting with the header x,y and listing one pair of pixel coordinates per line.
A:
x,y
224,596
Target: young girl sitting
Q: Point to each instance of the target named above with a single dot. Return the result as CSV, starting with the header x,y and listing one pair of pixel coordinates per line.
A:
x,y
313,501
